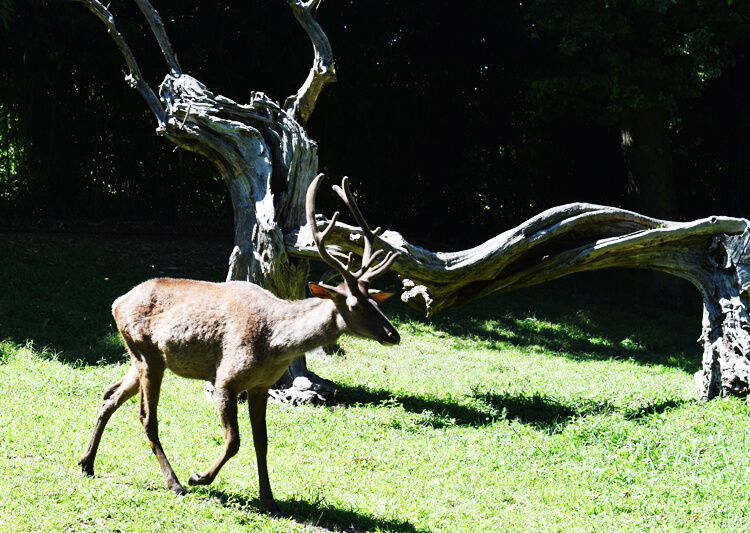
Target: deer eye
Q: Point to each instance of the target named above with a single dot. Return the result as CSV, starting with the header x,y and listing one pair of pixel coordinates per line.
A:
x,y
353,304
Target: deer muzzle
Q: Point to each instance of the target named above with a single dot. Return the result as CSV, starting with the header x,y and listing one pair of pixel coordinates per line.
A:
x,y
390,337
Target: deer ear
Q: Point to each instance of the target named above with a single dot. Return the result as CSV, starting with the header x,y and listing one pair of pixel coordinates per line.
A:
x,y
380,297
319,291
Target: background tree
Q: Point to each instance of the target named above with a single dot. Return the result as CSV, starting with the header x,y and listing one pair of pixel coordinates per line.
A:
x,y
478,144
635,66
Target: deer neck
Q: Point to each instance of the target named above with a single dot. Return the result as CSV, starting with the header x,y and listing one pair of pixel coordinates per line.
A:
x,y
302,325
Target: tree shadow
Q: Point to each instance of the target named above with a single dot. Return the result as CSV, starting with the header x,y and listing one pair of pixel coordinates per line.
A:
x,y
58,291
541,412
590,316
446,413
552,416
316,514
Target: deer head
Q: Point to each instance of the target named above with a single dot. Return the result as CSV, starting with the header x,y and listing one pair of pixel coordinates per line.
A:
x,y
356,303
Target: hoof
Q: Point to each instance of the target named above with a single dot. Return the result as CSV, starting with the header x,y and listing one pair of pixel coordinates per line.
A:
x,y
86,469
271,509
197,479
179,490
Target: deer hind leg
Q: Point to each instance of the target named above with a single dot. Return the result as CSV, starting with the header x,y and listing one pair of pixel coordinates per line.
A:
x,y
256,401
114,396
226,402
150,377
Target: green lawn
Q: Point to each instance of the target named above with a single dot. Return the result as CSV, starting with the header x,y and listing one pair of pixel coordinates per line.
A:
x,y
564,407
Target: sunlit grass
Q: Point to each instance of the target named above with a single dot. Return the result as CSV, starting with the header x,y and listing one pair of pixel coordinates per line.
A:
x,y
549,410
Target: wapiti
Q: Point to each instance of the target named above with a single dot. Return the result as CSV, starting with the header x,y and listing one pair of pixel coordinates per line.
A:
x,y
240,337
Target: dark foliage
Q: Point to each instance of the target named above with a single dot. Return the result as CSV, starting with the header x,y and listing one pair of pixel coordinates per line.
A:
x,y
455,121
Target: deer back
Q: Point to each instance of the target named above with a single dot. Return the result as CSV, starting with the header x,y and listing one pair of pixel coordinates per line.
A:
x,y
191,324
200,329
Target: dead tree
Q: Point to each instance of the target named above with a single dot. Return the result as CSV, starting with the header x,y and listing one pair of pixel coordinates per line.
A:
x,y
267,161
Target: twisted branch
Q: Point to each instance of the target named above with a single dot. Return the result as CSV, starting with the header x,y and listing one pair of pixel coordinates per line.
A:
x,y
560,241
157,28
301,105
134,78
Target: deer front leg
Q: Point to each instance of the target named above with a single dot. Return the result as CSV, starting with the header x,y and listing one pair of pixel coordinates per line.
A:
x,y
114,396
226,401
150,386
256,401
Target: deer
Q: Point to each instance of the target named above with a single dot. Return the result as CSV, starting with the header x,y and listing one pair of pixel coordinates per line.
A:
x,y
239,337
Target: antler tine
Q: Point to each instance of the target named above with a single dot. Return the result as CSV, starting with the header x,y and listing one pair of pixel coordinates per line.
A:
x,y
329,228
372,273
366,266
319,236
346,195
367,271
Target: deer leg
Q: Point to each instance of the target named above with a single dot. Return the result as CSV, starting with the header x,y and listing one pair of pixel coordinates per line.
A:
x,y
150,386
114,396
226,402
256,401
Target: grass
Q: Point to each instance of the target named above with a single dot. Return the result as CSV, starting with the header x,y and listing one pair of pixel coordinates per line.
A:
x,y
564,407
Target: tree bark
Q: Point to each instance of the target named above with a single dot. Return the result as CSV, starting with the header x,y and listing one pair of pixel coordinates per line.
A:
x,y
710,253
726,331
647,155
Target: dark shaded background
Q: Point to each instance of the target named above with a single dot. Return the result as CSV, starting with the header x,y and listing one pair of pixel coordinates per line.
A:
x,y
455,120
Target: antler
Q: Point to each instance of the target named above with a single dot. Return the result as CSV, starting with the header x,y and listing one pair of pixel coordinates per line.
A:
x,y
367,271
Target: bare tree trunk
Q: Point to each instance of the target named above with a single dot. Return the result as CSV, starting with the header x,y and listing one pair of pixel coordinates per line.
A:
x,y
651,188
726,330
648,161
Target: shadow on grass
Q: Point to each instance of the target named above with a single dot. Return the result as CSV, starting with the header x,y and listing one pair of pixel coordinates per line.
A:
x,y
550,414
447,412
543,413
318,514
56,292
592,316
